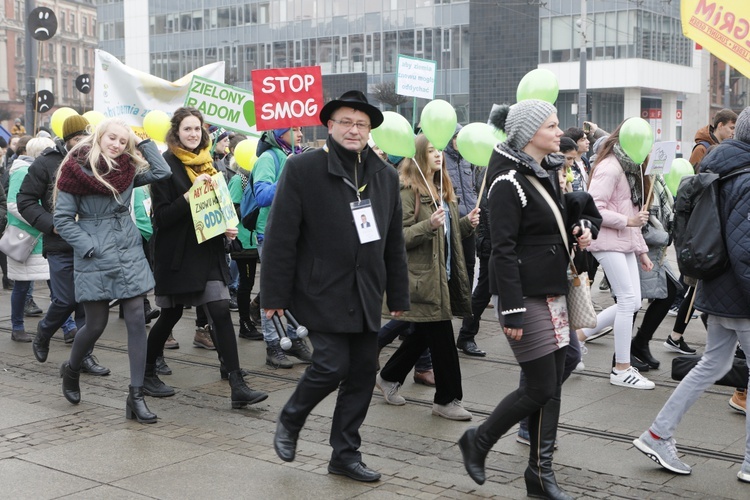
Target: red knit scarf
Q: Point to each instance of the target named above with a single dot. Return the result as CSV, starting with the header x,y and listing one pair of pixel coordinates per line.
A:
x,y
72,179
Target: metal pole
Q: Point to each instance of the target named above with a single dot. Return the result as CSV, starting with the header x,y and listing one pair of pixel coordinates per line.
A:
x,y
727,90
582,97
29,71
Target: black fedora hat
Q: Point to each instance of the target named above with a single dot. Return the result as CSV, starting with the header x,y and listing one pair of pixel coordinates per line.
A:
x,y
352,99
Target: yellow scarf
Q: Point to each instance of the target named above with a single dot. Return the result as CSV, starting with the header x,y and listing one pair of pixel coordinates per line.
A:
x,y
195,164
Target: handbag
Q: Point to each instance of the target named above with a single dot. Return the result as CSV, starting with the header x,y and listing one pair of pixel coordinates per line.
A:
x,y
736,376
581,313
17,243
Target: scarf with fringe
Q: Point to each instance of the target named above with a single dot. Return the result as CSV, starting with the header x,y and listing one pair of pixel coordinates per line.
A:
x,y
195,164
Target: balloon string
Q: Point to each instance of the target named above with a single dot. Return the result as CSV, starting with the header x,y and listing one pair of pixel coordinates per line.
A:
x,y
38,74
429,189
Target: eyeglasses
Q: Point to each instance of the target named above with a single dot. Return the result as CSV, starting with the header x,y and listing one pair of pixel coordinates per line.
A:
x,y
348,124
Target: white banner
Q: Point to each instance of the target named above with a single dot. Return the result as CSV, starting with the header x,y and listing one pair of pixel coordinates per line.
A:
x,y
416,77
127,93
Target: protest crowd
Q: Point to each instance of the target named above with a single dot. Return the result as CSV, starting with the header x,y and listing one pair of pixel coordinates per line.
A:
x,y
386,231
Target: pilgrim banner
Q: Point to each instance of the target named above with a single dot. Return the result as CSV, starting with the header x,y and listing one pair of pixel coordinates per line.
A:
x,y
127,93
722,27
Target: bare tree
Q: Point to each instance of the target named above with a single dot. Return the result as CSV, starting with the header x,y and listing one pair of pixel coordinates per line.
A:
x,y
386,93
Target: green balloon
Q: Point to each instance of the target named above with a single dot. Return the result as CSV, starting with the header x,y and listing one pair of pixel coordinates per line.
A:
x,y
680,168
538,84
475,142
636,138
395,136
439,122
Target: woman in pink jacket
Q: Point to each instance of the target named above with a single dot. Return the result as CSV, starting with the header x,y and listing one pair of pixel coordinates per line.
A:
x,y
617,186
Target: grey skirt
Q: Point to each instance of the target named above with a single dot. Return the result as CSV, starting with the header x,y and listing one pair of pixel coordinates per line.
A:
x,y
215,290
539,337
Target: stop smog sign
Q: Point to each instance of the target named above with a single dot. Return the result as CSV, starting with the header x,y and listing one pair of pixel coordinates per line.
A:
x,y
287,97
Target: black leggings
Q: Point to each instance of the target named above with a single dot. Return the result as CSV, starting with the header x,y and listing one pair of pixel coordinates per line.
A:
x,y
246,267
544,378
655,314
97,315
223,336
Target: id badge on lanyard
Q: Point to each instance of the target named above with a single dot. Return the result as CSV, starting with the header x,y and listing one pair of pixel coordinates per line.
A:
x,y
364,221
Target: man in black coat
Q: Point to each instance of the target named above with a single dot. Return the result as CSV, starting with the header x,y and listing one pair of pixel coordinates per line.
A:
x,y
318,263
38,186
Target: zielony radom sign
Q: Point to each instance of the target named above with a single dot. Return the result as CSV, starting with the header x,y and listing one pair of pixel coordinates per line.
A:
x,y
287,97
223,105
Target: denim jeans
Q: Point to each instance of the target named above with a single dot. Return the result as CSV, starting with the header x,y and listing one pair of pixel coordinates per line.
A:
x,y
721,342
624,279
17,303
267,328
63,301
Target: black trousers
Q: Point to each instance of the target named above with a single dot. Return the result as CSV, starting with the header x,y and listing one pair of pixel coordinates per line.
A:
x,y
480,298
343,361
438,336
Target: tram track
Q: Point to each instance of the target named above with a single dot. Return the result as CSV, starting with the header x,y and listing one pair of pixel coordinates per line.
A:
x,y
584,432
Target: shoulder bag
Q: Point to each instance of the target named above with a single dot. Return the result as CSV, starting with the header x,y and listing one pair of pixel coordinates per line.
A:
x,y
581,313
17,243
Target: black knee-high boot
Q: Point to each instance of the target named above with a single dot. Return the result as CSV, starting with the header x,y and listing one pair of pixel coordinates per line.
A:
x,y
476,442
640,349
540,479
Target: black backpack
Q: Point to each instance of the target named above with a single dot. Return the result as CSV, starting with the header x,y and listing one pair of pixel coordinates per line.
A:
x,y
698,225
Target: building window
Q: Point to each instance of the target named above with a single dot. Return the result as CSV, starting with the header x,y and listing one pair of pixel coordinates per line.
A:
x,y
19,46
19,9
85,58
72,23
51,52
65,88
84,26
63,54
74,56
62,24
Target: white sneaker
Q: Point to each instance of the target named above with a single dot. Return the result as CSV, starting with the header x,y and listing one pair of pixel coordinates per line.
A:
x,y
630,378
579,367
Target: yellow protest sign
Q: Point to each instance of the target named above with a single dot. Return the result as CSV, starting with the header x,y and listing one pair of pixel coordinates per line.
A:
x,y
722,27
212,209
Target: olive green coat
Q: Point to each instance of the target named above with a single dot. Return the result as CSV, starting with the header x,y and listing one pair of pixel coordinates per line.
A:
x,y
433,298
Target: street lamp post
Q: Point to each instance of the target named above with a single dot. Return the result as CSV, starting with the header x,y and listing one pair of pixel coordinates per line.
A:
x,y
29,70
582,97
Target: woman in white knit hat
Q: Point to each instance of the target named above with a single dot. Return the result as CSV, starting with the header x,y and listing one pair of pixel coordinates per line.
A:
x,y
528,270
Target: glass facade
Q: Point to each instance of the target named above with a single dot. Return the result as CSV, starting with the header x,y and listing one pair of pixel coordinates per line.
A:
x,y
616,29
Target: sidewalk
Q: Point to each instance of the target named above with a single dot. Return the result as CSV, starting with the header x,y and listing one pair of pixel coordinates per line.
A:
x,y
200,448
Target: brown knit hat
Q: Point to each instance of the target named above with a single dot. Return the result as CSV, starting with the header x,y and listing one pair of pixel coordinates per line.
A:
x,y
74,125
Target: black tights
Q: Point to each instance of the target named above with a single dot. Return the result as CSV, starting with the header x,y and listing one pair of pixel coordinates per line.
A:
x,y
544,377
97,315
223,336
246,268
655,314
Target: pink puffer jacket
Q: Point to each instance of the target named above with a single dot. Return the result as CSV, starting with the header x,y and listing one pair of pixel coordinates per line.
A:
x,y
611,193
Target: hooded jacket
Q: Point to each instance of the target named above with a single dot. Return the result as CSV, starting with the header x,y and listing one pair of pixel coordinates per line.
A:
x,y
37,187
728,294
702,136
266,177
462,176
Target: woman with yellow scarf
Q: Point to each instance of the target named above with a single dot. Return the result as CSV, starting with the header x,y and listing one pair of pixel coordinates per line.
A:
x,y
186,272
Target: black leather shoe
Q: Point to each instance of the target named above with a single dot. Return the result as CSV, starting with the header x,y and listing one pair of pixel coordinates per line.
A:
x,y
70,386
285,443
357,471
40,346
91,366
469,347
